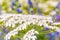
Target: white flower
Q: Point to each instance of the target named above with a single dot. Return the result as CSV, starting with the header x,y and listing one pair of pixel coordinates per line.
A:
x,y
53,13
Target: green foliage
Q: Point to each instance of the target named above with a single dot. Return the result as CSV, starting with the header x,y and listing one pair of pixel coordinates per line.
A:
x,y
5,6
16,4
51,7
47,13
58,25
11,28
12,38
43,1
25,7
40,29
21,33
2,23
35,10
42,36
17,24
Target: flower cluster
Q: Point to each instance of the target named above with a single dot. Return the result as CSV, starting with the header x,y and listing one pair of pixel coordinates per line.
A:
x,y
16,6
18,22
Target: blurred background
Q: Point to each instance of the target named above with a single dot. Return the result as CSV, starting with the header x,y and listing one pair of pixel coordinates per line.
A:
x,y
42,7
